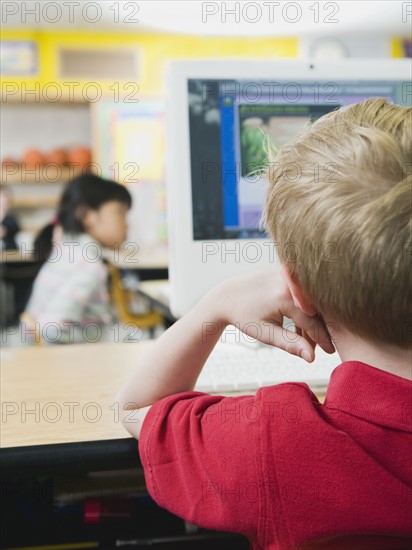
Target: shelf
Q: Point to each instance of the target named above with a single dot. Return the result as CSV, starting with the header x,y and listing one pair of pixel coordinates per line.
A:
x,y
35,203
74,98
44,175
32,229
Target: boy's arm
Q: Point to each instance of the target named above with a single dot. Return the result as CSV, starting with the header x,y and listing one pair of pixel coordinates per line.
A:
x,y
174,363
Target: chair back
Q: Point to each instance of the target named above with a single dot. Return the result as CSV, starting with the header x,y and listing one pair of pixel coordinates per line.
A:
x,y
32,326
20,276
119,297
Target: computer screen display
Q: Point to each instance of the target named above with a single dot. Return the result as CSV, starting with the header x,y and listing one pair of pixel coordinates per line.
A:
x,y
229,123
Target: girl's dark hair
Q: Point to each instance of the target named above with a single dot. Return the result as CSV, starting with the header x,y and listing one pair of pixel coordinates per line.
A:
x,y
87,191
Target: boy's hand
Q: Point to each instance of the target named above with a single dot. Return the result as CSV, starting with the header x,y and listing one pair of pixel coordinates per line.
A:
x,y
257,304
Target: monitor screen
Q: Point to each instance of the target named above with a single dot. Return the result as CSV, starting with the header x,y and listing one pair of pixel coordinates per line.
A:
x,y
230,122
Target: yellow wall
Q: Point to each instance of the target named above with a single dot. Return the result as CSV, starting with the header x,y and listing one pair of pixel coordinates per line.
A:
x,y
155,50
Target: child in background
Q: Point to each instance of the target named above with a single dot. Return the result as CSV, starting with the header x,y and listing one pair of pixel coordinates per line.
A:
x,y
9,226
248,464
70,291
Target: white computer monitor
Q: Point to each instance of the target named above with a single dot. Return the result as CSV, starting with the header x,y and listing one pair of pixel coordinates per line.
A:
x,y
215,111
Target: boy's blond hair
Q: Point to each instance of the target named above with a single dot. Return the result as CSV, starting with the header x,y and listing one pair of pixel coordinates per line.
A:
x,y
339,208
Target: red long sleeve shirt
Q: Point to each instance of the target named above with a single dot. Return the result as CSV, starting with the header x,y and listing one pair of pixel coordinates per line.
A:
x,y
281,468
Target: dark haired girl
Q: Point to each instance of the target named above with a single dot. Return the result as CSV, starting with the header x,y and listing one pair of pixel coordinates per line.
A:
x,y
70,291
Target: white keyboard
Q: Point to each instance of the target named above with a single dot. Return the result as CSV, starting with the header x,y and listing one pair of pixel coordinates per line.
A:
x,y
233,368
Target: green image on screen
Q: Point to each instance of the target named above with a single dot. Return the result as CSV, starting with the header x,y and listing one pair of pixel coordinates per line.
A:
x,y
264,128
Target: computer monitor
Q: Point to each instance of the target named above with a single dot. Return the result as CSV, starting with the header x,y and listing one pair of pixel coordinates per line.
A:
x,y
218,113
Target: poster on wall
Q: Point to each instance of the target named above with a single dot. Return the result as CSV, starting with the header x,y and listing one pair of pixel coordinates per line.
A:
x,y
129,140
18,58
128,146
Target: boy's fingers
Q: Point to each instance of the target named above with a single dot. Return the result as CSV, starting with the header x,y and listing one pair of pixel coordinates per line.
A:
x,y
289,341
309,339
306,336
314,328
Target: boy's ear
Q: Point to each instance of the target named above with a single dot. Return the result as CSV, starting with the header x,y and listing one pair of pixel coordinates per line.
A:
x,y
298,296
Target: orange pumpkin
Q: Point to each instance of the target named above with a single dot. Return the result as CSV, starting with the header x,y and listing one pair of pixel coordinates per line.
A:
x,y
80,157
32,159
57,156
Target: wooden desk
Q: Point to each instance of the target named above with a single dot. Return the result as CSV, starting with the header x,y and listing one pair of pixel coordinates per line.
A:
x,y
71,390
66,449
134,257
58,407
46,379
74,424
15,256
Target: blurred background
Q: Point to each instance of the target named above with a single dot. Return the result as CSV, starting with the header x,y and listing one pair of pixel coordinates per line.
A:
x,y
83,87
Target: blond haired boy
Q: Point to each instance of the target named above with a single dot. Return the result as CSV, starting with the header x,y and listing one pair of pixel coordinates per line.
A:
x,y
241,464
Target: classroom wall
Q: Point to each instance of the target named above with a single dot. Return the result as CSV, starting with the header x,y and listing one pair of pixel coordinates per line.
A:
x,y
354,45
155,51
147,220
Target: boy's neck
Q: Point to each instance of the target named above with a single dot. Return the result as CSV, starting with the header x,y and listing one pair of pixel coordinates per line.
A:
x,y
391,359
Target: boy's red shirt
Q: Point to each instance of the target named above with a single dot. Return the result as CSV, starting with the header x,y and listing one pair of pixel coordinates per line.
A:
x,y
281,468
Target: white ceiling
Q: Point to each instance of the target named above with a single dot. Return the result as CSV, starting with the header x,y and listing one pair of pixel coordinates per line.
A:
x,y
197,17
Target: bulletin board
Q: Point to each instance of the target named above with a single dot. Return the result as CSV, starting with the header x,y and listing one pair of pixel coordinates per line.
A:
x,y
128,147
18,58
128,139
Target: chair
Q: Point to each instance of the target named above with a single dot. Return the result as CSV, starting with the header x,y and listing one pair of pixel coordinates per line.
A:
x,y
32,326
20,275
119,296
360,541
